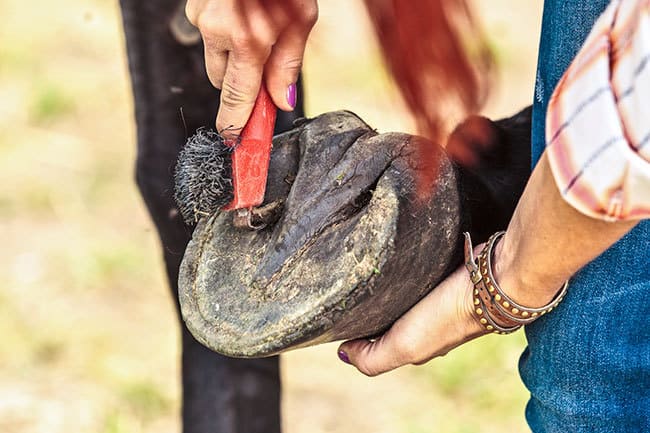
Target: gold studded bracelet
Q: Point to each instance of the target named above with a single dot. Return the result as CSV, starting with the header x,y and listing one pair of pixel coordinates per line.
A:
x,y
495,310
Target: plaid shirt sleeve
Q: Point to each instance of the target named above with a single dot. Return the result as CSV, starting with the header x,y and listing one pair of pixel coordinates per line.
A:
x,y
598,119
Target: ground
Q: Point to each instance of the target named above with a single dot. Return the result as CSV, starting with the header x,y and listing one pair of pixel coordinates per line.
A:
x,y
89,340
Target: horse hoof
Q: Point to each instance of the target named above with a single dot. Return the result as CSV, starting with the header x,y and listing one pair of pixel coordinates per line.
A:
x,y
352,250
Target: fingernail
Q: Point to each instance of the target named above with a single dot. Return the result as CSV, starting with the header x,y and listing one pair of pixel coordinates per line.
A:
x,y
344,357
292,95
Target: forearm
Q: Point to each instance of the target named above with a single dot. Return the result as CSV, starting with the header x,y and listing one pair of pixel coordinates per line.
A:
x,y
548,241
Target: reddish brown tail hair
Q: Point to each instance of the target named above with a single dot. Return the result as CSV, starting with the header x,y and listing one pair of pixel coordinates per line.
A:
x,y
435,54
433,51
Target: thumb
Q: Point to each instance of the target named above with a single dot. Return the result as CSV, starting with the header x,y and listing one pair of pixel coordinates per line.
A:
x,y
374,357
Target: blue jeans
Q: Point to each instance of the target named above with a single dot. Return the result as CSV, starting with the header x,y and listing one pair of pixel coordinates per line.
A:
x,y
587,364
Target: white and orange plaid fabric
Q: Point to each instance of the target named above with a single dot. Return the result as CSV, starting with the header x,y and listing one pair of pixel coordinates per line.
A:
x,y
598,119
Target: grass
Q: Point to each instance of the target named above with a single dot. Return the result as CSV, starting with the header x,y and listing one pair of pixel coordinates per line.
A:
x,y
145,400
49,103
89,334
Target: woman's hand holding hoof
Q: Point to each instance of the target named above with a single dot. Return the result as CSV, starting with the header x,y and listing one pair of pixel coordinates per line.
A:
x,y
441,321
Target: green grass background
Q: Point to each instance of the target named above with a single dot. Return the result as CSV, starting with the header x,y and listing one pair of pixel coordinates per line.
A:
x,y
87,328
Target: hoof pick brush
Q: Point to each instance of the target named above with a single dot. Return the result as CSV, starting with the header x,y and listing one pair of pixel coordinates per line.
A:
x,y
214,173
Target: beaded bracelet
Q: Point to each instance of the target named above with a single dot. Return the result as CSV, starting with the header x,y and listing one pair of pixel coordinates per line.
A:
x,y
491,304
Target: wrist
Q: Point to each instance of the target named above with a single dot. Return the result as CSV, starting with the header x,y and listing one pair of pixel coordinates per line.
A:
x,y
525,284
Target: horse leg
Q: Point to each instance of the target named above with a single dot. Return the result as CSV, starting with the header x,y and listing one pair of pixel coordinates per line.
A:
x,y
173,97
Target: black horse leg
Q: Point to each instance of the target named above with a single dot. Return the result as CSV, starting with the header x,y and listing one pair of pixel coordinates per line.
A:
x,y
173,97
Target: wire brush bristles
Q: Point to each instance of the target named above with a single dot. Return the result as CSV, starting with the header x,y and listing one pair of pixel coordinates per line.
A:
x,y
203,176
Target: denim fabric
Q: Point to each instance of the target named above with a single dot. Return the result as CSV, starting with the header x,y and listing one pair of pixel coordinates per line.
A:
x,y
565,26
587,364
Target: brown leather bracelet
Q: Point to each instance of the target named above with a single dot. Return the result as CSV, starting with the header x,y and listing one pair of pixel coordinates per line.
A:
x,y
496,311
504,303
482,311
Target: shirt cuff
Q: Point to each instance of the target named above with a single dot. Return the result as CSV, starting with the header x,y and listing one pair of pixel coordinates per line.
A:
x,y
596,125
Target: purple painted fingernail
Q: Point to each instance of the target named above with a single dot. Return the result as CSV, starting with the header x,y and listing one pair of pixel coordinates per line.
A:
x,y
344,357
292,95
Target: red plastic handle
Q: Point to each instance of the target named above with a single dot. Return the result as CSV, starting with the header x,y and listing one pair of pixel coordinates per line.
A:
x,y
250,159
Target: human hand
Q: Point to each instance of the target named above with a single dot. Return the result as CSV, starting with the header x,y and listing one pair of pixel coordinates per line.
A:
x,y
247,39
441,321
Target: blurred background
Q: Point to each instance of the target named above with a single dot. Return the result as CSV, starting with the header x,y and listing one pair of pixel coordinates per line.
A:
x,y
88,334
